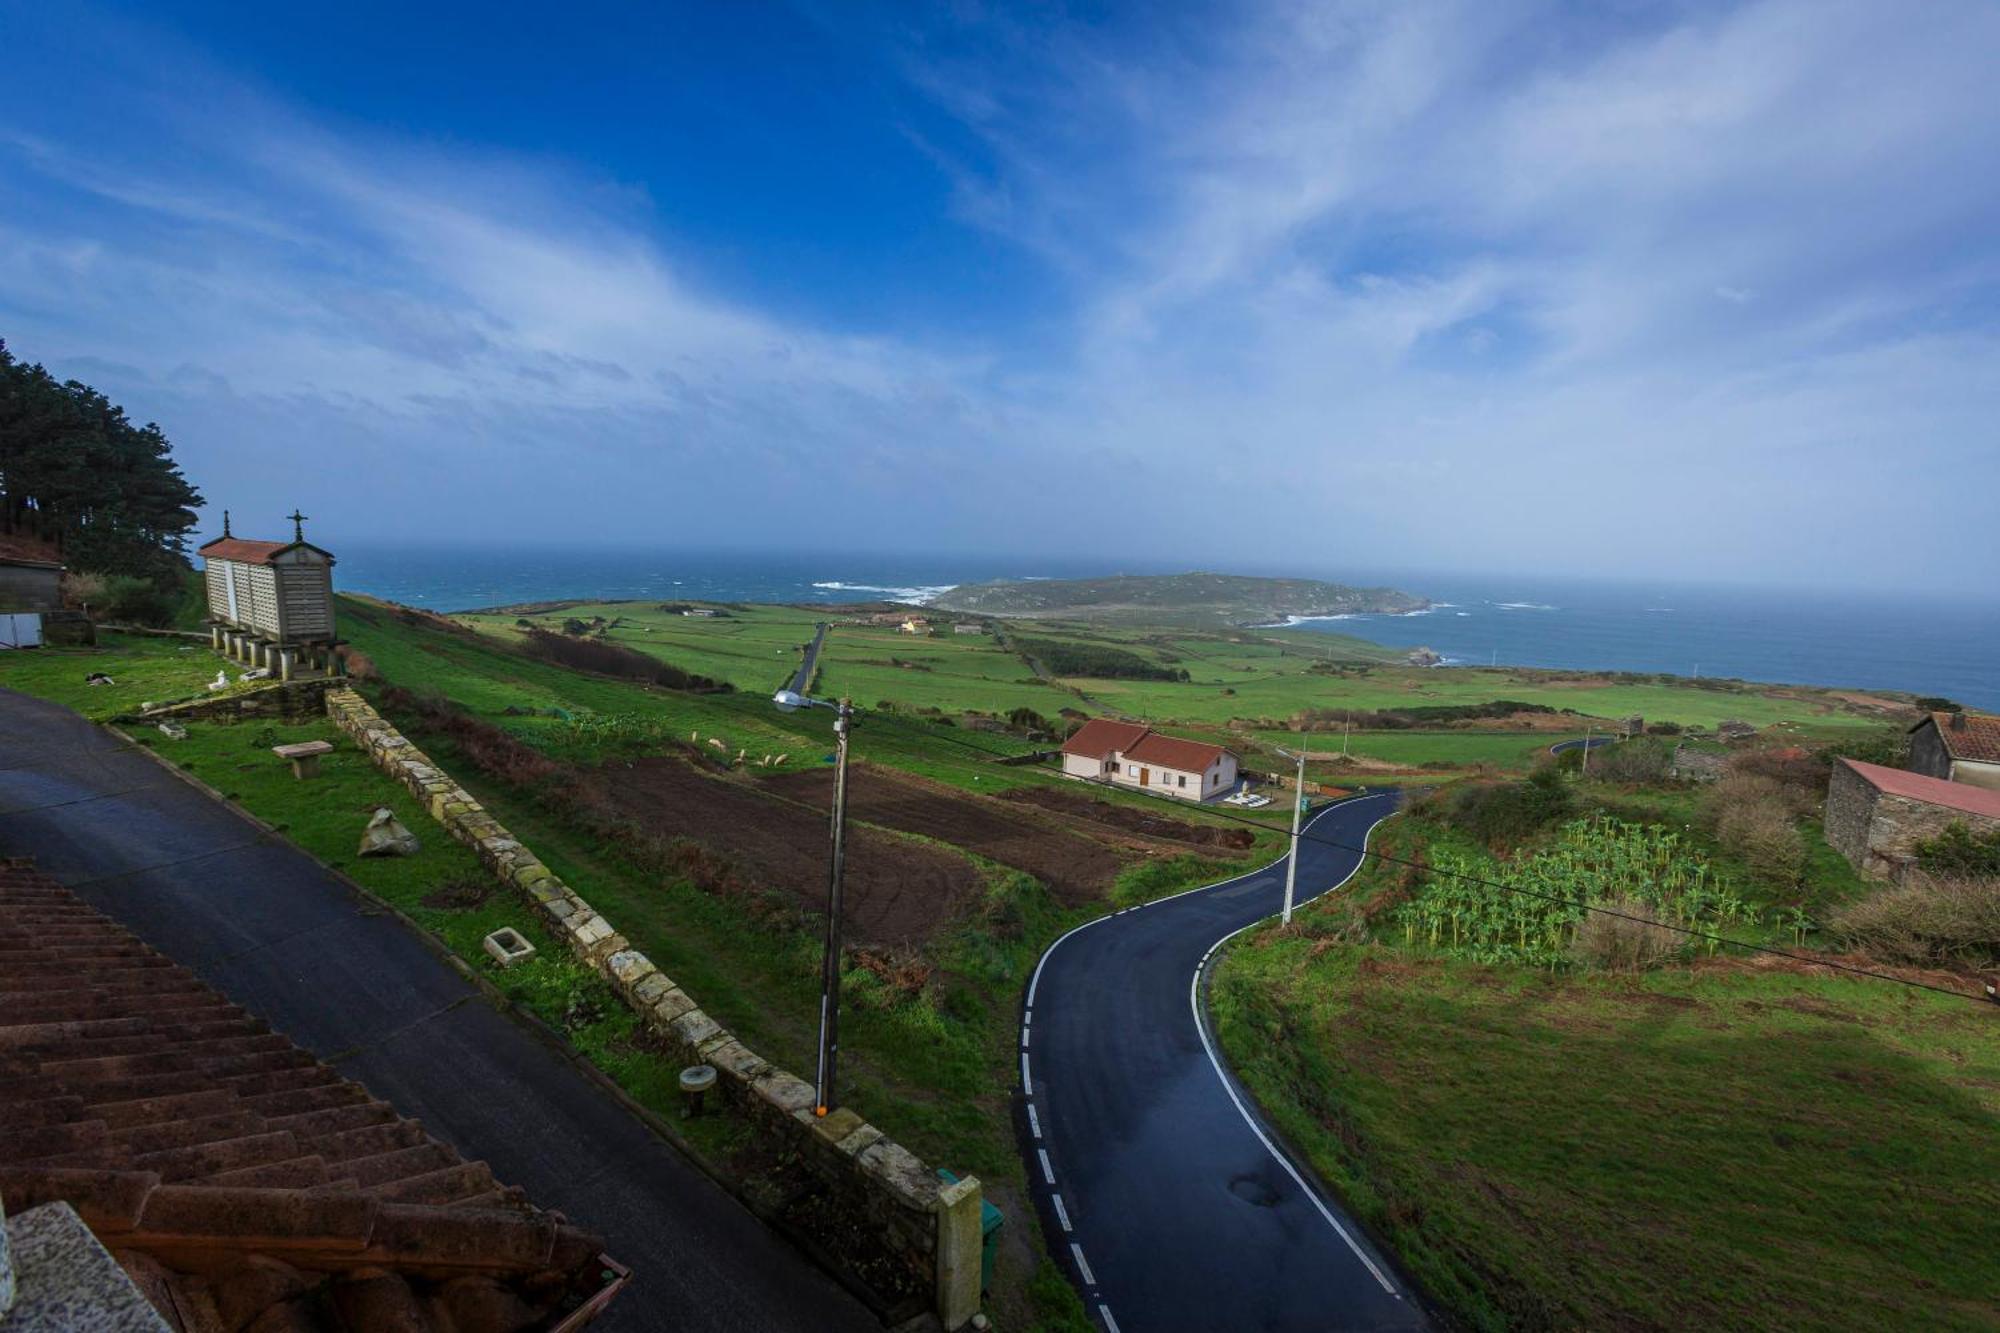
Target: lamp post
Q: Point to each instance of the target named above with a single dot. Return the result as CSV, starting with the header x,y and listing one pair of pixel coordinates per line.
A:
x,y
1298,805
792,701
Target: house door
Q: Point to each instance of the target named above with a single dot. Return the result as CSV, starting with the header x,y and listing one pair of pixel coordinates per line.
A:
x,y
1145,777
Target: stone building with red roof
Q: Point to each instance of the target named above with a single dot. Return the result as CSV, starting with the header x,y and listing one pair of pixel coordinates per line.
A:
x,y
1875,816
1958,747
1128,754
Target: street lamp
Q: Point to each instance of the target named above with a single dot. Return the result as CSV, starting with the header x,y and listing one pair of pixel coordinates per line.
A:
x,y
1298,805
791,701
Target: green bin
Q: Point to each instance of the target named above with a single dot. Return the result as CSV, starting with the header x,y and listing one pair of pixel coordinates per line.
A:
x,y
990,1220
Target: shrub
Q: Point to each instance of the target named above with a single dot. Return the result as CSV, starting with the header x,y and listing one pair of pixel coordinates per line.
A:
x,y
1630,942
1926,920
80,589
1753,822
1507,812
1958,851
134,600
1632,761
1663,728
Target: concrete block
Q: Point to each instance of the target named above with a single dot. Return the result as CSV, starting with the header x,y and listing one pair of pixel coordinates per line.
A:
x,y
670,1007
694,1027
785,1092
959,1242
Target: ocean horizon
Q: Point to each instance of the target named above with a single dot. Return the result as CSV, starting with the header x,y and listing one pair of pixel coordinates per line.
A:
x,y
1924,644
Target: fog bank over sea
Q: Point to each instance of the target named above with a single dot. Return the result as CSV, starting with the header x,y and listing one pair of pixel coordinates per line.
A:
x,y
1924,644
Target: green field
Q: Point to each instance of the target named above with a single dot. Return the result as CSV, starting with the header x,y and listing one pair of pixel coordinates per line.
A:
x,y
1256,680
1722,1148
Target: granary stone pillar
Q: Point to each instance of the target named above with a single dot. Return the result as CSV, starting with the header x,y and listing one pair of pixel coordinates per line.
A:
x,y
284,664
215,637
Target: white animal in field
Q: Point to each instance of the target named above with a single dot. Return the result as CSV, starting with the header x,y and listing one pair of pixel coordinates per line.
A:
x,y
715,743
221,681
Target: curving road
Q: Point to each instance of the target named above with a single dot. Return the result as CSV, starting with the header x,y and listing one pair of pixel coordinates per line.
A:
x,y
1156,1181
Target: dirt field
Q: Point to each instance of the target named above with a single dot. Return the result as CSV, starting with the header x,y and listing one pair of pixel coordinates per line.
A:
x,y
1130,820
898,891
1075,867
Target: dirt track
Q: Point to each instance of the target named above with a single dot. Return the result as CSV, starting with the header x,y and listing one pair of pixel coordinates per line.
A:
x,y
1075,867
898,891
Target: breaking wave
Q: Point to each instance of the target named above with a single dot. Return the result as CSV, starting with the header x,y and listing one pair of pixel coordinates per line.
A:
x,y
920,596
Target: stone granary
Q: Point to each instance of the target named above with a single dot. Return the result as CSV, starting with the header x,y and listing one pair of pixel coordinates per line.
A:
x,y
1960,747
239,1182
1875,816
270,604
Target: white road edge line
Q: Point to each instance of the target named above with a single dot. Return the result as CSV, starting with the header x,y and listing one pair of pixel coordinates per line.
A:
x,y
1024,1039
1201,1029
1034,1121
1027,1079
1062,1213
1048,1172
1083,1265
1110,1324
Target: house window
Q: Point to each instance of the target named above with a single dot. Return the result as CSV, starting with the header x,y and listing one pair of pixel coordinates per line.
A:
x,y
1183,779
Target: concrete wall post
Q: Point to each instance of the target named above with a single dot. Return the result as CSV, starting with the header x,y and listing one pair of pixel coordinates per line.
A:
x,y
959,1244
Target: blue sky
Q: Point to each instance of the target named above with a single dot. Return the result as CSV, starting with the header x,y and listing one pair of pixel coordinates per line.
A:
x,y
1683,290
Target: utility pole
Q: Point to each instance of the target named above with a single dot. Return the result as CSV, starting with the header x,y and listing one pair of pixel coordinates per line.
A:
x,y
791,701
1346,726
1298,805
829,989
1586,751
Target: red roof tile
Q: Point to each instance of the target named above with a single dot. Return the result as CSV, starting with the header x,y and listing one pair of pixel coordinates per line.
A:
x,y
243,550
1929,790
1173,752
1100,737
184,1130
1970,736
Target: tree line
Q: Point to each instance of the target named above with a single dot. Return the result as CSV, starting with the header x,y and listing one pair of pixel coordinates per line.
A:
x,y
77,473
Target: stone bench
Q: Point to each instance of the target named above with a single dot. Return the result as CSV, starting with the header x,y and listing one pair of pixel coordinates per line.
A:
x,y
304,756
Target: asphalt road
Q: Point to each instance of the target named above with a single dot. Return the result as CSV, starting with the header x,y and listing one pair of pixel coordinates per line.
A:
x,y
268,927
1156,1182
803,676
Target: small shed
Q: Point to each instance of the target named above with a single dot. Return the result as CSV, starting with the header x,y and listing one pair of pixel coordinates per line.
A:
x,y
1959,747
30,575
1875,816
269,602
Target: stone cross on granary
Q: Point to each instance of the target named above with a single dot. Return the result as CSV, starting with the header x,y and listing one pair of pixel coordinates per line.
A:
x,y
298,525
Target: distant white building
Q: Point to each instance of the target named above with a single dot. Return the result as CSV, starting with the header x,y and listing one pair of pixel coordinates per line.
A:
x,y
915,625
1131,755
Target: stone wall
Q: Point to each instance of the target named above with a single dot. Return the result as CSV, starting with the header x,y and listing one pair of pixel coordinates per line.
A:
x,y
937,1226
1850,805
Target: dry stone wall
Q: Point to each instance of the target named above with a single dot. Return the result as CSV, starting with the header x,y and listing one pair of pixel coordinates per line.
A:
x,y
937,1226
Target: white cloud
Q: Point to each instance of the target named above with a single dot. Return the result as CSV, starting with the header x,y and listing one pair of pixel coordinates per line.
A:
x,y
1405,278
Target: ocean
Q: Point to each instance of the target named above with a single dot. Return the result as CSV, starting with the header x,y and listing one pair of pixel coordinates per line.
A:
x,y
1921,643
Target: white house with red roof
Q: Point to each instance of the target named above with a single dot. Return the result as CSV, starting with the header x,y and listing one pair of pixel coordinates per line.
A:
x,y
1131,755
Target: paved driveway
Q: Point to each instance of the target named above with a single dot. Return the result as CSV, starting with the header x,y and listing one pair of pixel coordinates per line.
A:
x,y
267,926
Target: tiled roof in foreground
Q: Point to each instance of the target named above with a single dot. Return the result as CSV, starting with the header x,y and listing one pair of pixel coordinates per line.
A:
x,y
230,1171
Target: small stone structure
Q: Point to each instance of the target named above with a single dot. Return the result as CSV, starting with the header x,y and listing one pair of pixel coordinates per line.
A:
x,y
936,1225
1957,746
1875,816
289,701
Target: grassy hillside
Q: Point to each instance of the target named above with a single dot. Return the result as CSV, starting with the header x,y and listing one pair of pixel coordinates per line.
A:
x,y
1195,598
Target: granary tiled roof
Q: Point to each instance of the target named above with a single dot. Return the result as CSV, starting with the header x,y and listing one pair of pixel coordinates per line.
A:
x,y
243,550
1931,791
231,1171
1970,736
